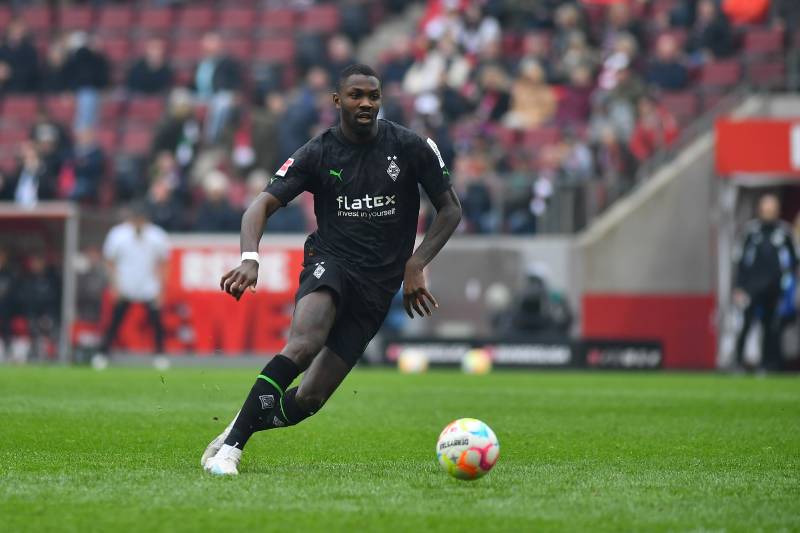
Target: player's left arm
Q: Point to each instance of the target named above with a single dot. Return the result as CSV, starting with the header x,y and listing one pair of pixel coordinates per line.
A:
x,y
416,296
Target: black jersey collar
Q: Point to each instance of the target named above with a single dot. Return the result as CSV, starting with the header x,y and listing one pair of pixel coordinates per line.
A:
x,y
337,132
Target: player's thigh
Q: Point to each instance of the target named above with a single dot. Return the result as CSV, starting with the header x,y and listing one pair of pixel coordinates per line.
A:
x,y
313,318
323,377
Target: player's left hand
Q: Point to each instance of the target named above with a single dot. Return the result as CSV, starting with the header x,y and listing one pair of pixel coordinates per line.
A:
x,y
415,294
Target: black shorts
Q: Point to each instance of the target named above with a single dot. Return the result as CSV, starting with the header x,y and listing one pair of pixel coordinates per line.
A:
x,y
362,303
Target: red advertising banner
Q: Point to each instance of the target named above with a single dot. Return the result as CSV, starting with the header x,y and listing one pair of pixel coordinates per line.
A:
x,y
758,146
200,319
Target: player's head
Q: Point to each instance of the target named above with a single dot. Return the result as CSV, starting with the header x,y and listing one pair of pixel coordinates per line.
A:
x,y
358,99
769,208
138,214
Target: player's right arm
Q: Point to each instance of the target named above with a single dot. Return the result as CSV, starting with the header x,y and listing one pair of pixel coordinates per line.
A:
x,y
254,220
294,177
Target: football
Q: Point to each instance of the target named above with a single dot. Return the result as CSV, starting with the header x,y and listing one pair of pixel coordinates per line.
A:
x,y
467,448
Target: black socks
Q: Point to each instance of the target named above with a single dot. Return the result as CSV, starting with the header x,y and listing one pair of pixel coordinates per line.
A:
x,y
264,406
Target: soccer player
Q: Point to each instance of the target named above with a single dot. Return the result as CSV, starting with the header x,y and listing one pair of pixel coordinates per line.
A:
x,y
364,175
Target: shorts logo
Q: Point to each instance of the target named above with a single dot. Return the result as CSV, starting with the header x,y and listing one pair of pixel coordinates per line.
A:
x,y
393,169
320,270
267,401
285,167
277,422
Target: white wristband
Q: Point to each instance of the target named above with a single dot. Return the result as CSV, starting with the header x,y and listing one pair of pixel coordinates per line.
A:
x,y
252,256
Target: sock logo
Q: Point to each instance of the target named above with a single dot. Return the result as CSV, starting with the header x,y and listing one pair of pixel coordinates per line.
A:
x,y
277,422
267,401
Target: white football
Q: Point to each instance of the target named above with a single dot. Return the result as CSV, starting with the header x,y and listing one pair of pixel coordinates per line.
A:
x,y
467,448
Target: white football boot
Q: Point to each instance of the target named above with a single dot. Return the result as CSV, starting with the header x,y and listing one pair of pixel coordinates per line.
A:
x,y
226,462
216,444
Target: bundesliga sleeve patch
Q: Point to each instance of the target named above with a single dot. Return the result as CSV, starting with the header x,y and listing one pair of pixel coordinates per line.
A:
x,y
285,167
436,151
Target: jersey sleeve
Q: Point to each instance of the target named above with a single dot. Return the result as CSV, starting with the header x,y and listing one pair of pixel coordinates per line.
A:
x,y
296,175
433,174
110,245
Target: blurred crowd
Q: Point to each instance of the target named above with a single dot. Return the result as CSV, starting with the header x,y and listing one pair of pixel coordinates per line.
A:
x,y
523,98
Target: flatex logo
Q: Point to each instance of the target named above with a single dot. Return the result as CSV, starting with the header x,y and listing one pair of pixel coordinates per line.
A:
x,y
366,206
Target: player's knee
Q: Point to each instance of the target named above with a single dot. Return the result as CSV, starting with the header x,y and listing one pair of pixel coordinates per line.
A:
x,y
303,349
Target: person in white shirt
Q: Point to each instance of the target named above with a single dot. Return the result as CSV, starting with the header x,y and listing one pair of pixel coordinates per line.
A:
x,y
136,253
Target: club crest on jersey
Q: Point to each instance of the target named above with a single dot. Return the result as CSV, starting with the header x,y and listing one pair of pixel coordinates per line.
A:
x,y
393,169
285,167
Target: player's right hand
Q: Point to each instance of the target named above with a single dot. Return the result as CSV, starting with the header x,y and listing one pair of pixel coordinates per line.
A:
x,y
240,278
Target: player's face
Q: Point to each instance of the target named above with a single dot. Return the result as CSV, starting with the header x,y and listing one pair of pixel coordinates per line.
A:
x,y
359,101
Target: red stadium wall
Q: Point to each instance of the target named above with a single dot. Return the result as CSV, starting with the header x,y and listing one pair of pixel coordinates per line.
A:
x,y
682,322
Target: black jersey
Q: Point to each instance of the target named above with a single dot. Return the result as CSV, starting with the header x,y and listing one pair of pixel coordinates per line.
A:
x,y
366,197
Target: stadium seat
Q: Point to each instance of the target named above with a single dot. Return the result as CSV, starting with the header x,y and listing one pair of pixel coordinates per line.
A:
x,y
683,105
768,74
113,18
155,19
136,140
321,18
20,108
37,18
720,74
275,50
117,48
146,109
5,16
535,138
107,138
110,110
240,47
196,19
239,20
12,135
763,41
282,20
75,17
507,137
187,49
61,107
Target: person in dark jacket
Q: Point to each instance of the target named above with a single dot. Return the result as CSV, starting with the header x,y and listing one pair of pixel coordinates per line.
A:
x,y
39,300
33,181
216,214
89,163
711,36
668,71
765,270
150,74
217,80
19,62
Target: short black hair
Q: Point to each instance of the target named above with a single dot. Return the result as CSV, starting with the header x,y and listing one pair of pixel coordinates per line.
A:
x,y
354,69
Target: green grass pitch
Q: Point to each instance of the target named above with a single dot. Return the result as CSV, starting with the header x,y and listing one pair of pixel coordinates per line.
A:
x,y
119,451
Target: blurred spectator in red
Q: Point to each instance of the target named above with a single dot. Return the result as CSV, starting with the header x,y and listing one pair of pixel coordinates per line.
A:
x,y
88,164
40,302
217,80
711,36
340,55
54,73
8,284
533,102
178,132
33,181
216,214
742,12
150,74
575,104
19,62
655,128
667,71
266,131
